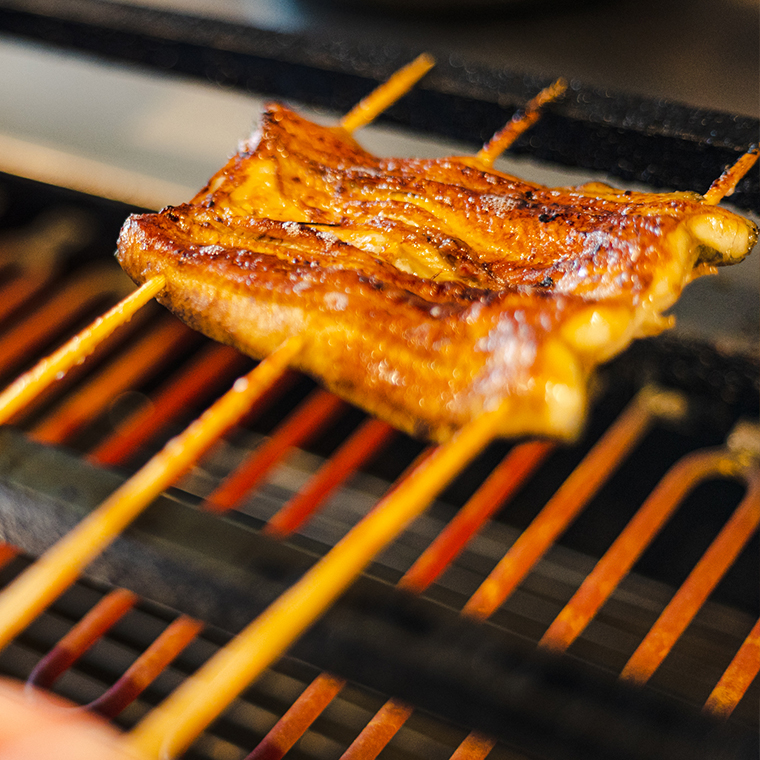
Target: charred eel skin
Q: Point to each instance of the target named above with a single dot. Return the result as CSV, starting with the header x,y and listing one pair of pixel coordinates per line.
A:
x,y
427,291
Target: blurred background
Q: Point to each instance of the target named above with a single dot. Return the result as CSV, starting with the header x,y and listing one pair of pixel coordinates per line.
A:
x,y
703,52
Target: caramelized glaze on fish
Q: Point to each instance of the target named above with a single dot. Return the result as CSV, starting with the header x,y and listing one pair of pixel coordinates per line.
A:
x,y
427,291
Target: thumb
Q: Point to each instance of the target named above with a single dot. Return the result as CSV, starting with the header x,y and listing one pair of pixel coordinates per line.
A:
x,y
36,726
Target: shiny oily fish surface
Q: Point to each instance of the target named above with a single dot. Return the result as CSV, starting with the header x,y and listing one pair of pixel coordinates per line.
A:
x,y
426,291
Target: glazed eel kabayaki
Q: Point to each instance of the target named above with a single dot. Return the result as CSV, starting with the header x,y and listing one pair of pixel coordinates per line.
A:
x,y
426,291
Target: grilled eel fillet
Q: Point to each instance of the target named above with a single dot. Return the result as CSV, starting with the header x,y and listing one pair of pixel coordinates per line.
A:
x,y
427,291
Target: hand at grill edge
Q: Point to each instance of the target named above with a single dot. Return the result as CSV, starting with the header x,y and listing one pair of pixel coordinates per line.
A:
x,y
36,726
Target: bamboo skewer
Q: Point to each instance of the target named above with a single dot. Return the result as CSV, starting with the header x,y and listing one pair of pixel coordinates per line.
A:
x,y
58,568
173,725
519,123
727,182
386,94
33,382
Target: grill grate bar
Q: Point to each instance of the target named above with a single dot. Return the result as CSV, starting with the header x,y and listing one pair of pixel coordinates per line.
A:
x,y
631,543
474,747
95,624
701,581
210,368
146,356
299,717
504,481
8,553
384,725
738,677
311,417
20,291
359,448
567,503
179,634
48,237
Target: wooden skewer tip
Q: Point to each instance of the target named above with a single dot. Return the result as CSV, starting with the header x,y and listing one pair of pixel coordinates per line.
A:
x,y
725,185
519,123
394,88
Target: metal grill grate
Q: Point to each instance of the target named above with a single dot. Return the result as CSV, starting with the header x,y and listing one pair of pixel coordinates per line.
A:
x,y
540,569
